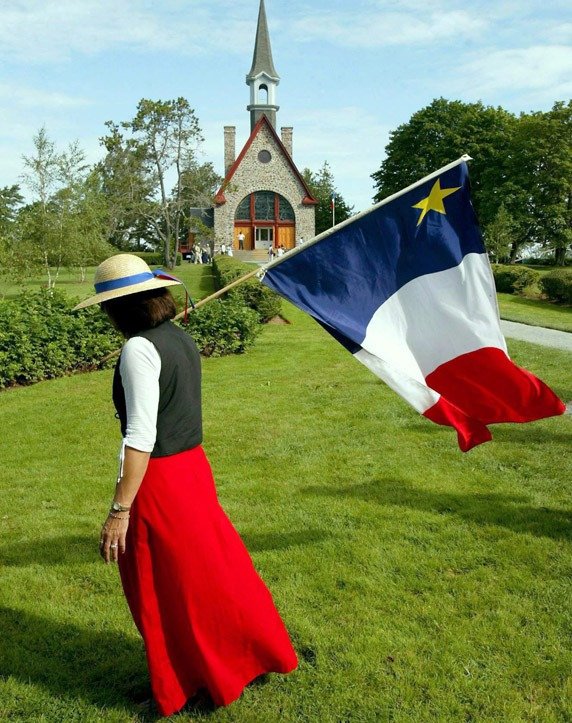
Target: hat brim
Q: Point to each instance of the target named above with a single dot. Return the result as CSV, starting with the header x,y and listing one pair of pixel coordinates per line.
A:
x,y
125,291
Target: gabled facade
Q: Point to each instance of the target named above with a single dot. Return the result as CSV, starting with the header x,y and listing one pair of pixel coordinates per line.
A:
x,y
263,197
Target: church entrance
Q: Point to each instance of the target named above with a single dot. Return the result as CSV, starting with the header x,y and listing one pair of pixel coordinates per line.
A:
x,y
263,237
266,219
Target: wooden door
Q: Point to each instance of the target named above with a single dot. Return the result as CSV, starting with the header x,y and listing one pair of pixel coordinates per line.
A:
x,y
287,236
248,241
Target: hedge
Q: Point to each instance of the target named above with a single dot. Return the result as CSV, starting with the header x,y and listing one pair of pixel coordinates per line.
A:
x,y
252,293
223,327
41,338
557,285
513,279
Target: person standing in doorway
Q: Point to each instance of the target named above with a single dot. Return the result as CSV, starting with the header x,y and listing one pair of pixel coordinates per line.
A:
x,y
241,241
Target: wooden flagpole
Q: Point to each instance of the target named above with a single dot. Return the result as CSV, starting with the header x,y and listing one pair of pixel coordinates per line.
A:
x,y
222,291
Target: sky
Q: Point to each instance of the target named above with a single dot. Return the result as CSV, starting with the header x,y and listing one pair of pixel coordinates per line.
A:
x,y
351,72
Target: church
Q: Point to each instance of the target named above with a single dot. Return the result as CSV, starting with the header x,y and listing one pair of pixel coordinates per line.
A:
x,y
263,200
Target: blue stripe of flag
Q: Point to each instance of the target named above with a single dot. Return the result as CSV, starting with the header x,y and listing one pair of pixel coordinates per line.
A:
x,y
343,279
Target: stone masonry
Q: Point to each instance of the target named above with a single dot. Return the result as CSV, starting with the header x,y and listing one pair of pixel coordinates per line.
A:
x,y
252,175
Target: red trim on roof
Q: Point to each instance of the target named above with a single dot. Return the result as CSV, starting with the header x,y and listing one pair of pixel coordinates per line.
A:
x,y
219,198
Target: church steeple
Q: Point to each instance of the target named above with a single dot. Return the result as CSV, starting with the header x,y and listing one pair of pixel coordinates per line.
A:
x,y
262,77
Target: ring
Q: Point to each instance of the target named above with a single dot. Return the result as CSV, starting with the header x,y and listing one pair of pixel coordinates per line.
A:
x,y
113,546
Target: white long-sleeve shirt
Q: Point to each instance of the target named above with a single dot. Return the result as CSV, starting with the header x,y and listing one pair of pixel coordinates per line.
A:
x,y
140,367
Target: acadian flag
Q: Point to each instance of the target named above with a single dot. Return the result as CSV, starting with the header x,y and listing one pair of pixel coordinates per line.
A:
x,y
407,288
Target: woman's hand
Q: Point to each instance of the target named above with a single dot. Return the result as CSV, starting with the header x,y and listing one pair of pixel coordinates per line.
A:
x,y
112,538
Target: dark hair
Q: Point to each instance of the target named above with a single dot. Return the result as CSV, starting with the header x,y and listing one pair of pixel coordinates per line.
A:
x,y
138,312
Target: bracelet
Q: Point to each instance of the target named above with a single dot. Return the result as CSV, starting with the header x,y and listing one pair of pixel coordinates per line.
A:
x,y
117,517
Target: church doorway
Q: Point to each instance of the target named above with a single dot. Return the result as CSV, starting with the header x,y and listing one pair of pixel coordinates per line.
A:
x,y
266,219
263,237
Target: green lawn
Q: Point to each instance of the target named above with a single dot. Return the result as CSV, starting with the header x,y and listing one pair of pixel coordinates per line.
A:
x,y
535,312
418,583
198,279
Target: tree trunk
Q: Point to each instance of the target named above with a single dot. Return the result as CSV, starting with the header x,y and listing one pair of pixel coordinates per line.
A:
x,y
560,256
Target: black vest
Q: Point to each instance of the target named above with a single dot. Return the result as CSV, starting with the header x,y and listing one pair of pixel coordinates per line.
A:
x,y
179,419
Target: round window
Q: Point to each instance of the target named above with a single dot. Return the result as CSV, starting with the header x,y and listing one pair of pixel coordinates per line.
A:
x,y
264,156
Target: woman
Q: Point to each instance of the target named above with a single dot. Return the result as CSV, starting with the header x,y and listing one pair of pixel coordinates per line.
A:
x,y
206,617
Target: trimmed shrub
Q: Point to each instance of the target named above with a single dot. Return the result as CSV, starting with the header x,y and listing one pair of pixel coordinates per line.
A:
x,y
557,285
252,293
41,338
223,327
513,279
155,258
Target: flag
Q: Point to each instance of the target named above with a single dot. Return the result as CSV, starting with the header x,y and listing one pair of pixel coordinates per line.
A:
x,y
333,201
407,288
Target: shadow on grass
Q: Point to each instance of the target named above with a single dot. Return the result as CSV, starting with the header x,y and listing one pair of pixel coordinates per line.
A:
x,y
66,550
78,549
483,509
71,662
265,541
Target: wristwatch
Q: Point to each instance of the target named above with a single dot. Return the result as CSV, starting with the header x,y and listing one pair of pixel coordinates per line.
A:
x,y
117,507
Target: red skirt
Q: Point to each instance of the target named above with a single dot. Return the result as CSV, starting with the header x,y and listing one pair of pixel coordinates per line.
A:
x,y
207,619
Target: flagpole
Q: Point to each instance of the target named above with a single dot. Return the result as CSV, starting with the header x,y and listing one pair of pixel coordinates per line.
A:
x,y
328,232
220,292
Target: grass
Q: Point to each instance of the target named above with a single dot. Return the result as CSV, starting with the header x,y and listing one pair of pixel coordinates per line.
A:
x,y
535,311
198,279
418,583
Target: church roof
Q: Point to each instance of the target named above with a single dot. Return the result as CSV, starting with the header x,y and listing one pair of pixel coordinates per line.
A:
x,y
308,199
262,58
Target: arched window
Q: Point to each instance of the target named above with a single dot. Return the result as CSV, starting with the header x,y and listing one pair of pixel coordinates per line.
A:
x,y
243,210
264,206
263,94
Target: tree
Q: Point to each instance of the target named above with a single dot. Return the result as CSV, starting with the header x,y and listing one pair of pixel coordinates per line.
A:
x,y
538,190
63,226
322,187
441,133
143,155
10,200
522,163
499,235
199,184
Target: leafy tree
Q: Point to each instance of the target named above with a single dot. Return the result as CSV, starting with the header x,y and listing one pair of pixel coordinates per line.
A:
x,y
199,184
538,187
129,194
10,200
143,155
63,226
441,133
499,235
322,187
523,163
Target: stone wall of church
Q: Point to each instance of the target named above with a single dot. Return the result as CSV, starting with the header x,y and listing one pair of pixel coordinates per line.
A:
x,y
254,175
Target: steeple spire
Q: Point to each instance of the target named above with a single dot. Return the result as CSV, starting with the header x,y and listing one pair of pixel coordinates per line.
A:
x,y
262,57
262,77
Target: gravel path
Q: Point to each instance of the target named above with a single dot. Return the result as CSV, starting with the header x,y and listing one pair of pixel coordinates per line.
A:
x,y
537,335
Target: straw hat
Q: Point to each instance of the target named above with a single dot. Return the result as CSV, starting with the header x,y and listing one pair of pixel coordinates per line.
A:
x,y
125,274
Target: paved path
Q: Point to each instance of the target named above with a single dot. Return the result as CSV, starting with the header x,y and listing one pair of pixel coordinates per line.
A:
x,y
537,335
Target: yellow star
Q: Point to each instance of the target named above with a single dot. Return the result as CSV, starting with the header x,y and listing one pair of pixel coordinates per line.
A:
x,y
434,201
